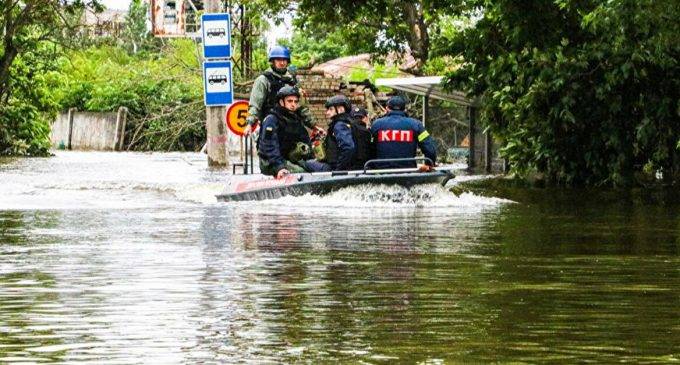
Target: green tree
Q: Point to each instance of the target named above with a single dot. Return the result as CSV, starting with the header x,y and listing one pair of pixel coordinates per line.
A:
x,y
375,26
584,91
27,23
31,37
135,25
379,26
313,48
162,90
28,108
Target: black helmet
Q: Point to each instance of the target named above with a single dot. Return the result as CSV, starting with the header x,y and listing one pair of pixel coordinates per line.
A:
x,y
339,100
358,112
287,91
396,103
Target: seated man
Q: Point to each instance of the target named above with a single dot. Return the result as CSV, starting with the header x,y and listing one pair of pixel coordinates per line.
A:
x,y
365,148
339,145
397,136
283,143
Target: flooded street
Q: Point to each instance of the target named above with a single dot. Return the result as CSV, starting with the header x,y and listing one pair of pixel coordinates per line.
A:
x,y
128,258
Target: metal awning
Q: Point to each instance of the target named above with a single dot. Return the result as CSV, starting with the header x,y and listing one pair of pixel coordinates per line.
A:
x,y
429,86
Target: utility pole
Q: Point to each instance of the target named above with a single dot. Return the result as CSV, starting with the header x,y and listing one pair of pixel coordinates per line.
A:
x,y
215,127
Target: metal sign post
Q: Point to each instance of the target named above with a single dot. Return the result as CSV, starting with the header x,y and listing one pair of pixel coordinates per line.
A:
x,y
217,73
236,122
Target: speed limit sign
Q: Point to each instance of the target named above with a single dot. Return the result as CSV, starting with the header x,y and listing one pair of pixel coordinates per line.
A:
x,y
236,117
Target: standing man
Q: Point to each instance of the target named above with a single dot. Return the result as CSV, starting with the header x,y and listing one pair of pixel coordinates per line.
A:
x,y
283,136
267,85
398,136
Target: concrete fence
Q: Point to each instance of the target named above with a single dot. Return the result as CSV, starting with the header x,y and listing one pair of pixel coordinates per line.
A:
x,y
89,131
483,154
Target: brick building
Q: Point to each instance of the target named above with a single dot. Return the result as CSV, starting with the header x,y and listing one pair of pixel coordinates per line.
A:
x,y
318,87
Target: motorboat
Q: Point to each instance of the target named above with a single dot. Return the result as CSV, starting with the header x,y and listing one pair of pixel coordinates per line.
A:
x,y
261,187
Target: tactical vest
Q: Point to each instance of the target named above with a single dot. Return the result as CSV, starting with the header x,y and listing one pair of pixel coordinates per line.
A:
x,y
363,141
331,144
290,132
275,84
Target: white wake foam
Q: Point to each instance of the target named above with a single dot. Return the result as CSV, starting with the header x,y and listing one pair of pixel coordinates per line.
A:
x,y
388,196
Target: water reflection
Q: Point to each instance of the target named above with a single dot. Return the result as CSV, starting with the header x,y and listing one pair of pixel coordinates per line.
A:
x,y
22,296
554,279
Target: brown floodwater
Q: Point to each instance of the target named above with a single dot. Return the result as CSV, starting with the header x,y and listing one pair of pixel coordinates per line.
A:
x,y
128,258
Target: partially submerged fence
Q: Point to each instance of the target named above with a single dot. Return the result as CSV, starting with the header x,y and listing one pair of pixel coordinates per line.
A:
x,y
89,130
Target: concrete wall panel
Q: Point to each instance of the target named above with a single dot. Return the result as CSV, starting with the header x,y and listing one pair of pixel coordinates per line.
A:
x,y
93,131
89,131
61,128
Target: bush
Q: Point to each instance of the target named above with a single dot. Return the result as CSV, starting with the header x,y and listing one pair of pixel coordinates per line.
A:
x,y
30,105
591,99
163,92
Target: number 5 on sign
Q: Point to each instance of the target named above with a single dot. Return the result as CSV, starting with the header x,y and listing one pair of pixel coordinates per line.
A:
x,y
236,117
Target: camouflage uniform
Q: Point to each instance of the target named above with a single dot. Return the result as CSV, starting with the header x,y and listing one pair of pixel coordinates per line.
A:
x,y
262,95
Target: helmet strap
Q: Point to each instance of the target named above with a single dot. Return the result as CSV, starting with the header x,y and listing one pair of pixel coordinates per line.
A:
x,y
280,71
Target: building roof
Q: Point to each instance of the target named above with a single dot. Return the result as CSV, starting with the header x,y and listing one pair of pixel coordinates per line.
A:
x,y
344,66
108,15
425,86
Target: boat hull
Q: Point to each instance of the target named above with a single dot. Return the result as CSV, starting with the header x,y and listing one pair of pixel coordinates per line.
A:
x,y
301,184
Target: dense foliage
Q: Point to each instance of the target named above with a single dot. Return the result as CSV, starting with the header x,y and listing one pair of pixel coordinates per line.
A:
x,y
585,92
158,81
31,39
162,91
376,26
313,48
28,106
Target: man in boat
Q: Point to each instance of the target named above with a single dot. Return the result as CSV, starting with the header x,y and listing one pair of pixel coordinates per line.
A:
x,y
283,145
365,148
267,85
398,136
339,146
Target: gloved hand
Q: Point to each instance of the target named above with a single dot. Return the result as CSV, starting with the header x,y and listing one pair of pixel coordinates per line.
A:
x,y
252,124
319,130
319,152
281,174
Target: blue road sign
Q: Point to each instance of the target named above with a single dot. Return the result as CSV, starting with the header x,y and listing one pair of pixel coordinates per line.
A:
x,y
217,83
216,29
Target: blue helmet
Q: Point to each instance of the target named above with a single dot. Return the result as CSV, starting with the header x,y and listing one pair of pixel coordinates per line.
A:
x,y
279,52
